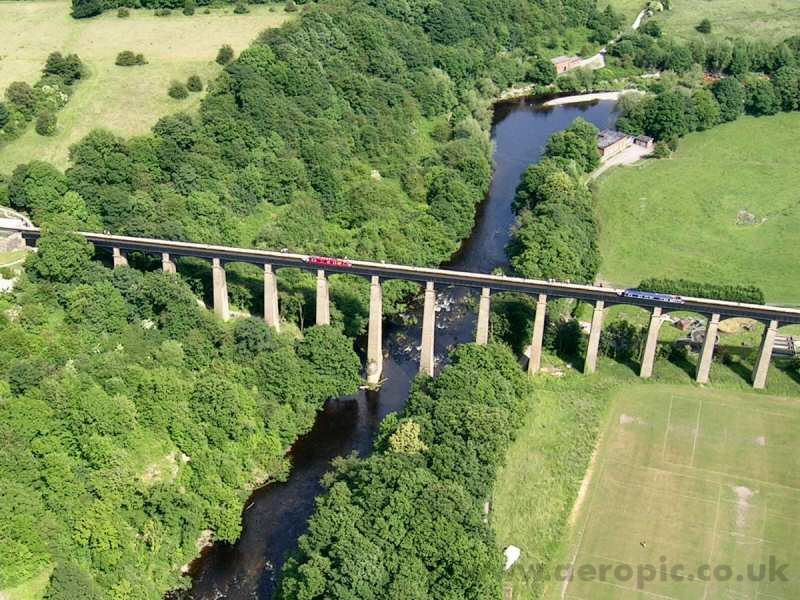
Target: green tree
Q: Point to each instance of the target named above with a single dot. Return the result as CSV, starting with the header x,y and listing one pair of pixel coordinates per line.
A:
x,y
4,115
22,95
761,98
787,87
542,71
82,9
578,142
706,109
62,257
666,116
177,90
71,582
46,123
224,55
730,95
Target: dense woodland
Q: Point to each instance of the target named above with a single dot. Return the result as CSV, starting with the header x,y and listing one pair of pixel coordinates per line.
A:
x,y
407,522
133,422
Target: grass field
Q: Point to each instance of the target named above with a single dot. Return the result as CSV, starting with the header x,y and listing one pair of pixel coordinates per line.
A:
x,y
696,475
126,100
724,209
772,20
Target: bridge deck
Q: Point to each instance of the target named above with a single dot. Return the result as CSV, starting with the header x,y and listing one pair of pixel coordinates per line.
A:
x,y
553,289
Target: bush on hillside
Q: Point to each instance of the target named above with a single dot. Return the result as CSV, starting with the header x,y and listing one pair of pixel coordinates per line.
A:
x,y
177,90
82,9
224,55
123,12
4,115
194,83
240,8
290,6
162,12
189,7
704,26
69,68
22,96
46,123
127,58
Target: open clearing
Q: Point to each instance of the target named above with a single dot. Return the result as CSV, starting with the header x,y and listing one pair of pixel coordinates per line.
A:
x,y
695,475
772,20
724,209
126,100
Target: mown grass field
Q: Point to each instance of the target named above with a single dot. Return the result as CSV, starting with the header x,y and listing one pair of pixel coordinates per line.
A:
x,y
696,475
126,100
725,208
772,20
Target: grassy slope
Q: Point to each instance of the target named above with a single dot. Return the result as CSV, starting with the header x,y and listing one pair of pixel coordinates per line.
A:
x,y
771,20
537,488
127,100
678,218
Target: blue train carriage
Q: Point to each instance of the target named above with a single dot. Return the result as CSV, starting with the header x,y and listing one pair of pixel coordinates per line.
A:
x,y
645,295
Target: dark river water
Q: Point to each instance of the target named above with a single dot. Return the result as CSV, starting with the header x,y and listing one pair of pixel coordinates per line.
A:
x,y
276,514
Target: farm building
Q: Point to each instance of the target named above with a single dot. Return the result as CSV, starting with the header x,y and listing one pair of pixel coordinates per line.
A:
x,y
566,63
610,142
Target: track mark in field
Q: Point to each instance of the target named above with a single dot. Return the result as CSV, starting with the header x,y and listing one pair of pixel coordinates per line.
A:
x,y
696,432
714,536
666,431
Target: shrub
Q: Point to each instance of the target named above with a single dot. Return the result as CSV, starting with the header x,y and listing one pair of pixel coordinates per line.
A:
x,y
704,26
4,116
194,84
82,9
661,150
162,12
126,58
46,123
241,8
188,8
225,55
69,68
290,6
21,95
123,13
177,90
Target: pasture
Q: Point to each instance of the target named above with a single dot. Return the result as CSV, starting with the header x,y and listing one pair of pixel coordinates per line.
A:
x,y
725,208
694,475
126,100
771,20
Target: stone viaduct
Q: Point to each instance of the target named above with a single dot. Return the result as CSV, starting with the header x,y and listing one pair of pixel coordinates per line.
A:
x,y
600,297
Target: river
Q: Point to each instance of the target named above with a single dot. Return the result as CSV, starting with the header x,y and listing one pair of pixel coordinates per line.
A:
x,y
276,514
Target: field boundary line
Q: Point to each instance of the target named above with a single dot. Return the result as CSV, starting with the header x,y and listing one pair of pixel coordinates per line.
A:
x,y
736,477
588,506
666,431
713,536
654,489
712,471
696,432
633,589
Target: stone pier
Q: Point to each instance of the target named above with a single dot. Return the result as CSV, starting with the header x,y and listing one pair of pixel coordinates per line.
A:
x,y
271,314
375,333
590,364
167,264
484,310
426,357
323,299
707,352
651,345
119,258
765,356
220,281
535,360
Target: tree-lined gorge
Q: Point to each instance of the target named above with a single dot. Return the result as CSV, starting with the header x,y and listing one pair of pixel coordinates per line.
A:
x,y
133,423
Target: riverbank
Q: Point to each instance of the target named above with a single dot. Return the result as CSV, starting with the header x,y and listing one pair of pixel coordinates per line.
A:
x,y
582,98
